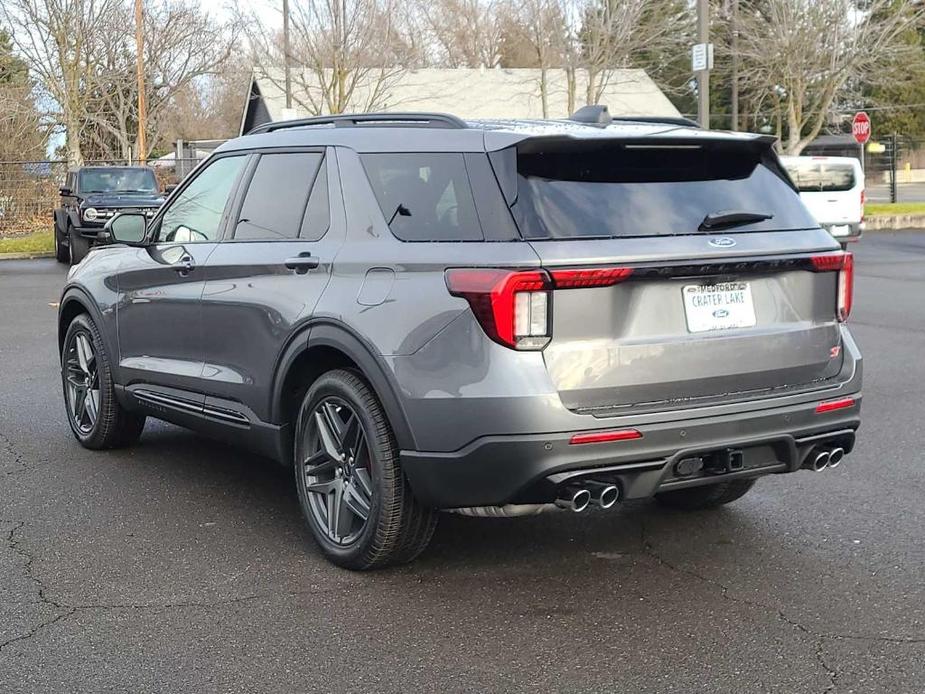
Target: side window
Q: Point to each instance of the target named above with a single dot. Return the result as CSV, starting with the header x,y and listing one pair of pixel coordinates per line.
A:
x,y
196,213
284,199
424,197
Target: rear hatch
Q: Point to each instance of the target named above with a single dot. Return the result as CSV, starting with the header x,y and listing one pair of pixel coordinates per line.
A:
x,y
727,291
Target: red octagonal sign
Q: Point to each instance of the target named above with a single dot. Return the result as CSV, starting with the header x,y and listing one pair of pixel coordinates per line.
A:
x,y
860,127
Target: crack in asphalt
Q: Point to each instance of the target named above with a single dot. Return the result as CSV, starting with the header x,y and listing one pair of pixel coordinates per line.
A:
x,y
820,637
18,458
69,610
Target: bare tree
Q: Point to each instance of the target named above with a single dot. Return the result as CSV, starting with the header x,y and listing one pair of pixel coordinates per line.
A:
x,y
536,34
182,45
802,55
57,38
465,33
619,33
346,54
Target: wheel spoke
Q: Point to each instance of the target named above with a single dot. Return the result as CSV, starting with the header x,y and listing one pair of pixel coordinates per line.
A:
x,y
329,441
352,434
356,500
80,404
92,405
335,510
319,463
364,482
321,487
84,353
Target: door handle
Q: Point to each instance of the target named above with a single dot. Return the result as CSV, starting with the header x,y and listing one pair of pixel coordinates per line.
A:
x,y
185,265
302,263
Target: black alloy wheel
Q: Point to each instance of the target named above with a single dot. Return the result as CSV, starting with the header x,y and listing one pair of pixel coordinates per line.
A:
x,y
352,491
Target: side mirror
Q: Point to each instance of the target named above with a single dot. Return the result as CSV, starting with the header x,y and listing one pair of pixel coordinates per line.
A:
x,y
65,191
126,227
169,188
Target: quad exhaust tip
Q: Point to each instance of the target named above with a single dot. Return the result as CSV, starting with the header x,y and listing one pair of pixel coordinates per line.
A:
x,y
575,499
604,495
820,461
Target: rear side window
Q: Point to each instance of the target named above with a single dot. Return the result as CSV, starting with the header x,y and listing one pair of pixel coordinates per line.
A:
x,y
424,196
605,190
279,199
818,176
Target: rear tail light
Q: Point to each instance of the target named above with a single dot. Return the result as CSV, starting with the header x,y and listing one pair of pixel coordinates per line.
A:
x,y
843,264
513,306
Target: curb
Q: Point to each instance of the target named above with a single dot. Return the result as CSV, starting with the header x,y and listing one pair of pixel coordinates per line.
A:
x,y
27,256
898,222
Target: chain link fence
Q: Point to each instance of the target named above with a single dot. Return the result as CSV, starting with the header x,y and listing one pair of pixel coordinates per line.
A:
x,y
29,189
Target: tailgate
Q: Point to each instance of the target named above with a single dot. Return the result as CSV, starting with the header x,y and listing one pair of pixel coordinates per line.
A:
x,y
678,333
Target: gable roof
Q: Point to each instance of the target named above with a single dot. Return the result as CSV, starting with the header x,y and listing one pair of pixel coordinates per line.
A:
x,y
468,93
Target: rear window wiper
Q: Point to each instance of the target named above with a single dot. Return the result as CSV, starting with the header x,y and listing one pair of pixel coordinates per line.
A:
x,y
732,218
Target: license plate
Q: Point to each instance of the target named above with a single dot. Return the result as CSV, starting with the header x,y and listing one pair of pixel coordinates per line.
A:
x,y
718,306
839,230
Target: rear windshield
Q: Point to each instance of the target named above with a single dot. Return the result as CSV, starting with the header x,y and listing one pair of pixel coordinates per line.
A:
x,y
594,190
814,175
118,179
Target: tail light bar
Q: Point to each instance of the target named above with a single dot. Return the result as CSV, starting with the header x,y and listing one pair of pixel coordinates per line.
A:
x,y
843,264
513,306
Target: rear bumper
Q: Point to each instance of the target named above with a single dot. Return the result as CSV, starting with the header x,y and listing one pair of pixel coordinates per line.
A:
x,y
495,470
855,231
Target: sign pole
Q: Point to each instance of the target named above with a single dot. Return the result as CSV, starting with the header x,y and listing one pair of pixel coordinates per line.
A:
x,y
703,76
140,70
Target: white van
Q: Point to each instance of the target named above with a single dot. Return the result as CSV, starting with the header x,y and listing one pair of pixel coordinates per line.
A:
x,y
832,188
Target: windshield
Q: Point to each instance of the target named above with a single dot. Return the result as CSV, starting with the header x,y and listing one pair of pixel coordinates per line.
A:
x,y
118,179
620,189
813,175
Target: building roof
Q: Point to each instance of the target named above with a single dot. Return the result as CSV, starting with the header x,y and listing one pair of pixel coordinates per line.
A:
x,y
469,93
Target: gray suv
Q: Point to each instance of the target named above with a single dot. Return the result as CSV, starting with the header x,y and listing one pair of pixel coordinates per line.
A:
x,y
420,314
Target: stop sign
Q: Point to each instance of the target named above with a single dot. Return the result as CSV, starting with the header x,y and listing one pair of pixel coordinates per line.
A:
x,y
860,127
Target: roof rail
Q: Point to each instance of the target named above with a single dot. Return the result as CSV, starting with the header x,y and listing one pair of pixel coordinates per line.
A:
x,y
347,120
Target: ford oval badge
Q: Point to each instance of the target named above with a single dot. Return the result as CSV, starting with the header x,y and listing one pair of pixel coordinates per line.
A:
x,y
722,242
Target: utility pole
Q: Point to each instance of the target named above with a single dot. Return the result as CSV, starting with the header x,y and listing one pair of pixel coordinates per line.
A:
x,y
734,21
286,56
703,76
140,69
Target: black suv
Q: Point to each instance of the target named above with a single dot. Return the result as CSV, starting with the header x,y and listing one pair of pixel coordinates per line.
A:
x,y
91,196
419,314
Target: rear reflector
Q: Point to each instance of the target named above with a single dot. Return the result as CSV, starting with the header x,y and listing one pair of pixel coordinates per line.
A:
x,y
605,436
832,405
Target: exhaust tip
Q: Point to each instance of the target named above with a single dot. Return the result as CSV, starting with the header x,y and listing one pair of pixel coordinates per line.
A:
x,y
835,457
608,496
574,499
821,461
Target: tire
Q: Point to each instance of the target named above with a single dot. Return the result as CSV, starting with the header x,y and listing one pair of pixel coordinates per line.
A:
x,y
79,246
62,252
707,496
84,363
346,459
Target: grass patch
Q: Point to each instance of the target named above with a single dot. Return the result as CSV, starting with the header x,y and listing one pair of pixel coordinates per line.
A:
x,y
885,209
39,242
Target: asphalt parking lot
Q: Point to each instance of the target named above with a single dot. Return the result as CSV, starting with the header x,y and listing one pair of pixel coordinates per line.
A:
x,y
182,564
